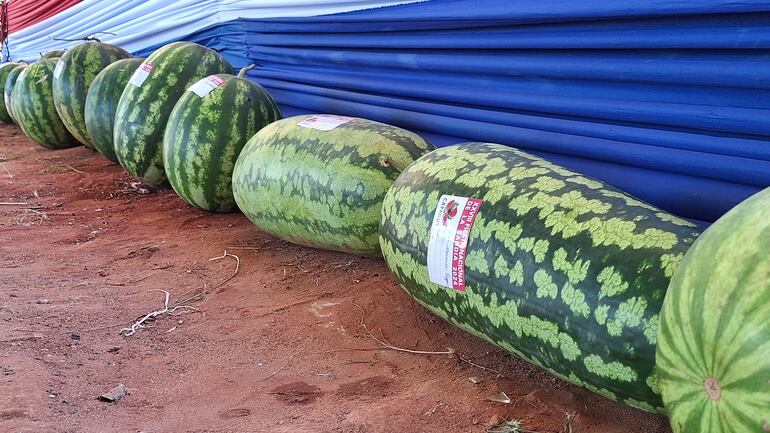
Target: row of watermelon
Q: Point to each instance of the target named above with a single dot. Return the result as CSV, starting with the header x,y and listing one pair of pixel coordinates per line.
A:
x,y
557,268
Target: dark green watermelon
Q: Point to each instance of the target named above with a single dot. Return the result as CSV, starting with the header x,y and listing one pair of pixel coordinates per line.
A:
x,y
205,133
10,83
319,180
73,75
102,101
53,54
559,269
33,108
147,101
5,71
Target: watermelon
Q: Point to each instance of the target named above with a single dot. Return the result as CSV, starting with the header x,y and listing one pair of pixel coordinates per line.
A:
x,y
102,101
74,73
559,269
147,101
10,83
319,180
5,70
206,131
713,355
53,54
33,108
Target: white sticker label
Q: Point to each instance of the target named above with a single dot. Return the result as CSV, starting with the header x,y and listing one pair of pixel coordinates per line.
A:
x,y
324,122
58,70
203,87
449,233
141,74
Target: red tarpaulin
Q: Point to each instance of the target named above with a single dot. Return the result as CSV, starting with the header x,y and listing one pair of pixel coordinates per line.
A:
x,y
24,13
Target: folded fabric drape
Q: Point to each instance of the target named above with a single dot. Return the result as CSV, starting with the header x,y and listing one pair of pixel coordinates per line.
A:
x,y
24,13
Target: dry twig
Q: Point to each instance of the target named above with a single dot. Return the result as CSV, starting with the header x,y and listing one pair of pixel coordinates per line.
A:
x,y
282,367
139,323
385,344
569,421
183,304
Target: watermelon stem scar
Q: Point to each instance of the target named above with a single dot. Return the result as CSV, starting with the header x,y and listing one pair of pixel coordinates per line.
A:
x,y
712,388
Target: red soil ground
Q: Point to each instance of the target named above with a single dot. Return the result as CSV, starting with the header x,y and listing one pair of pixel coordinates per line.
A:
x,y
278,348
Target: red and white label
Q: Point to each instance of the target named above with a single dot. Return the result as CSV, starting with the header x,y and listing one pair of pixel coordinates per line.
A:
x,y
141,74
58,69
449,234
324,122
203,87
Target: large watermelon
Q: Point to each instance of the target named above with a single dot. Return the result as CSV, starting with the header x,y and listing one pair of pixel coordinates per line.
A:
x,y
147,101
74,73
559,269
102,101
10,83
714,336
5,70
53,54
320,180
33,109
205,134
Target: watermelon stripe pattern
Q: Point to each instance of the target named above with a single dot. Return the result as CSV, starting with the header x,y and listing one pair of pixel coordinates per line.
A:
x,y
142,113
102,102
205,135
76,69
53,54
323,188
33,108
5,70
10,83
561,270
714,334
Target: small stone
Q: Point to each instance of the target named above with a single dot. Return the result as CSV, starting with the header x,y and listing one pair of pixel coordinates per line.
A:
x,y
75,336
115,394
474,380
494,421
43,301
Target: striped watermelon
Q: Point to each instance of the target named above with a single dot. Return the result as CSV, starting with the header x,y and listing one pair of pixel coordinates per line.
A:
x,y
53,54
74,73
320,180
102,101
205,134
713,352
147,101
561,270
10,83
33,109
5,70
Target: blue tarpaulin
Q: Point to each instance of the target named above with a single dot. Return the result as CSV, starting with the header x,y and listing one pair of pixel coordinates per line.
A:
x,y
666,100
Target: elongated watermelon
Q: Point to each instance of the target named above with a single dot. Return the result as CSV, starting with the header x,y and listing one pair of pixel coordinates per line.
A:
x,y
102,102
713,351
53,54
147,101
74,73
33,109
207,129
559,269
5,70
10,83
320,180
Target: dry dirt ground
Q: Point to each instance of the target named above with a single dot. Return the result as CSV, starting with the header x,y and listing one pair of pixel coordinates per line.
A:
x,y
277,348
